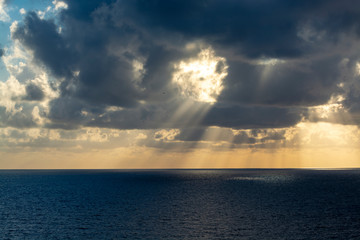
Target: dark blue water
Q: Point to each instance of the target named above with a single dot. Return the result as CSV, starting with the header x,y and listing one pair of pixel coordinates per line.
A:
x,y
180,204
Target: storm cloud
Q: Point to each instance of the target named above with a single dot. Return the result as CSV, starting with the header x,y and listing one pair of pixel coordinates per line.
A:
x,y
114,61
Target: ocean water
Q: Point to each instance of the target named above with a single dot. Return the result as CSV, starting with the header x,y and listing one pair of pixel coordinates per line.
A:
x,y
180,204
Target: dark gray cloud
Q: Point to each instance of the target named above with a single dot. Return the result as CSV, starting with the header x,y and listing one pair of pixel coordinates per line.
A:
x,y
244,138
304,83
22,118
48,46
283,56
215,135
68,113
2,52
255,28
253,116
34,93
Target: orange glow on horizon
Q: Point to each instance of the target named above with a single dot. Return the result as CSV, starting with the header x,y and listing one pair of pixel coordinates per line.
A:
x,y
147,158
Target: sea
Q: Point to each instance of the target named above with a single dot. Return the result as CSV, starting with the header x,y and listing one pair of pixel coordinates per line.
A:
x,y
180,204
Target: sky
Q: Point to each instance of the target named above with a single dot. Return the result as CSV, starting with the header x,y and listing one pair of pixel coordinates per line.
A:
x,y
179,84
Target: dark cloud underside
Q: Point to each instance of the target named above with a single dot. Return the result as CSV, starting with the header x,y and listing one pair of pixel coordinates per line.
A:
x,y
34,93
122,53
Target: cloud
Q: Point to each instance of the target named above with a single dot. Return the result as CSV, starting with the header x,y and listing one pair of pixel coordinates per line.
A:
x,y
21,118
4,17
256,29
242,24
22,11
253,116
59,5
216,138
48,46
34,93
280,58
302,82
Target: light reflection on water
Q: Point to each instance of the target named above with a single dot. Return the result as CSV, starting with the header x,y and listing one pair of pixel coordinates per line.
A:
x,y
266,179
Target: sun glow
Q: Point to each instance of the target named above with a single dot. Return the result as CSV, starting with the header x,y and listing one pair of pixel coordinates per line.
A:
x,y
201,78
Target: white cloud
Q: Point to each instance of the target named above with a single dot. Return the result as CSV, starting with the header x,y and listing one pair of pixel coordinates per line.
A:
x,y
22,11
13,27
166,135
36,116
41,14
23,71
58,5
201,78
9,90
4,17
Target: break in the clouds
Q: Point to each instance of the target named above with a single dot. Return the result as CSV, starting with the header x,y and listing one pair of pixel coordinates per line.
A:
x,y
185,65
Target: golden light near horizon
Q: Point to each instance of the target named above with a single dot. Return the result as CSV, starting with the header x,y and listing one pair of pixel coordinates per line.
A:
x,y
332,139
201,78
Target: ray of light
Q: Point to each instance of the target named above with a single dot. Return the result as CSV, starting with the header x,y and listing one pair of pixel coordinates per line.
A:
x,y
188,113
217,139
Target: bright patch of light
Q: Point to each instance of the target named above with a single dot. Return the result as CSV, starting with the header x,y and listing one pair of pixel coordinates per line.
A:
x,y
59,5
41,14
325,111
138,73
201,78
114,109
329,110
269,61
9,90
323,134
22,11
166,135
138,69
358,68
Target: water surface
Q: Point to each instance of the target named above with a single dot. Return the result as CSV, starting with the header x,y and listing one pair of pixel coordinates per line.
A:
x,y
180,204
